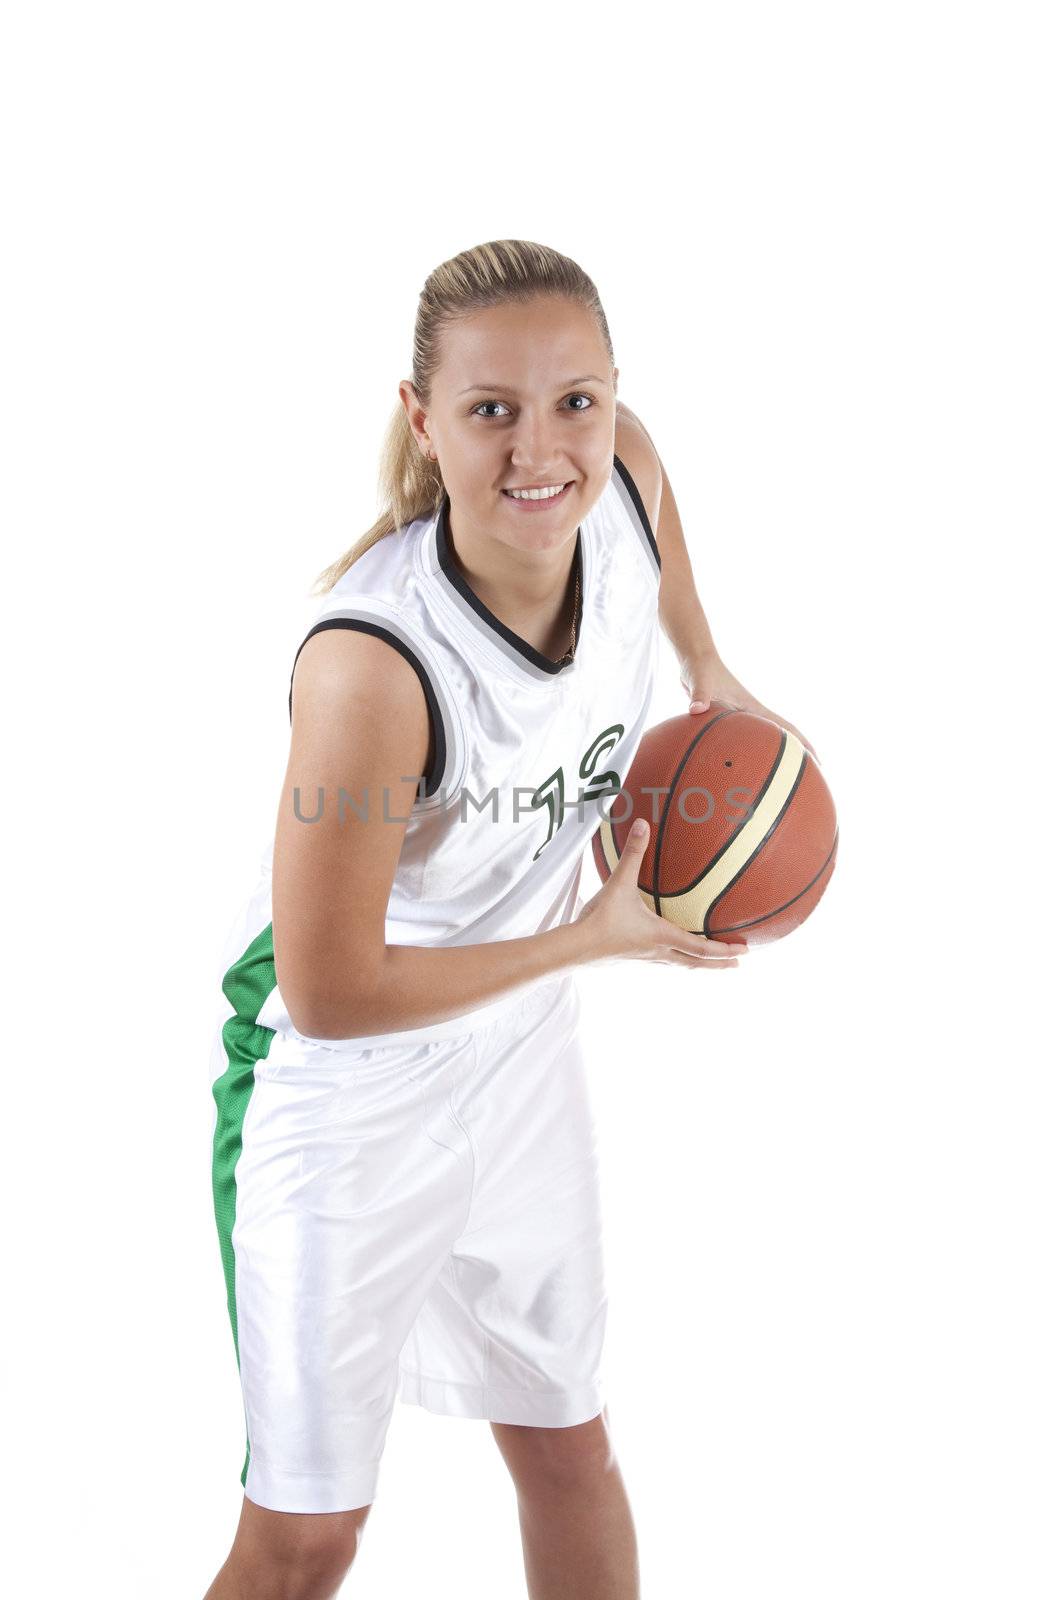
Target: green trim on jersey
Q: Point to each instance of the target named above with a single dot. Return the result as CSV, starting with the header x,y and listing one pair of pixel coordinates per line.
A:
x,y
247,985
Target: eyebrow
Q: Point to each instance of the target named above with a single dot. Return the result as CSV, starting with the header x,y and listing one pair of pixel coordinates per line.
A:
x,y
503,388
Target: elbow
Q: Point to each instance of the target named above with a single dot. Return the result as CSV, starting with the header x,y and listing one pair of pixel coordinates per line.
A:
x,y
348,1011
313,1021
325,1018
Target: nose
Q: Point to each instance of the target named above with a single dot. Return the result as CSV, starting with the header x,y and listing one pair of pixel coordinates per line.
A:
x,y
534,447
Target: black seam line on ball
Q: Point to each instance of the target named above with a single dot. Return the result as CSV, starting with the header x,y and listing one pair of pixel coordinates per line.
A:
x,y
656,880
735,927
435,777
725,845
765,840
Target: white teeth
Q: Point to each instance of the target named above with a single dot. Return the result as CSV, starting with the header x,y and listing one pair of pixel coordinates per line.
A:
x,y
537,494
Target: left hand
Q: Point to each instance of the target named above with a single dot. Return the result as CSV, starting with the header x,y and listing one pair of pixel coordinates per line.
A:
x,y
705,678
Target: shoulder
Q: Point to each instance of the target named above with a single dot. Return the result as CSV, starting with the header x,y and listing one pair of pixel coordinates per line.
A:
x,y
356,663
352,690
634,449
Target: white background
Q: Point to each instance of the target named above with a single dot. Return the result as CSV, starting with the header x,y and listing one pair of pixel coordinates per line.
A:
x,y
813,228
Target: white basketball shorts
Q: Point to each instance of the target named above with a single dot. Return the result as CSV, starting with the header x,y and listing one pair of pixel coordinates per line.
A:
x,y
418,1220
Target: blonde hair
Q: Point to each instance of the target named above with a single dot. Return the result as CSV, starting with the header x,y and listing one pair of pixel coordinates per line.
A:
x,y
493,274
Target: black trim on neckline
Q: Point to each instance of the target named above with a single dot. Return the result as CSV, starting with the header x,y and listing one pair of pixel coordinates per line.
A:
x,y
637,500
449,566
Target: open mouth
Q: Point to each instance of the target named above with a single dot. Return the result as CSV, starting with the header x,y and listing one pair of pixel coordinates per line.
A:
x,y
537,499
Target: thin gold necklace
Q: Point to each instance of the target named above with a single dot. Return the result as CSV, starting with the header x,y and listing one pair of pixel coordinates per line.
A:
x,y
574,620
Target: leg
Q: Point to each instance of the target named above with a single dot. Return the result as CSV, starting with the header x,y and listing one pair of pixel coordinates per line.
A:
x,y
308,1207
576,1525
287,1555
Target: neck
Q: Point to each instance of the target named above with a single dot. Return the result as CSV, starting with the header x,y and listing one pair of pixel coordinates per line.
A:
x,y
532,585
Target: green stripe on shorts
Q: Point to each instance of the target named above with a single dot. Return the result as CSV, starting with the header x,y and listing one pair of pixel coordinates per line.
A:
x,y
247,985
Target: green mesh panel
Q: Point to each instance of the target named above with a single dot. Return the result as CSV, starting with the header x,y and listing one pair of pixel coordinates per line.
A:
x,y
247,985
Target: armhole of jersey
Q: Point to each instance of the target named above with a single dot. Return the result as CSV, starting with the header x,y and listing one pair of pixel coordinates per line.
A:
x,y
635,511
443,768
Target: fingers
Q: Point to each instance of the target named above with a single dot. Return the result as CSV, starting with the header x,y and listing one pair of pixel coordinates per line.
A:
x,y
673,943
695,950
696,944
686,958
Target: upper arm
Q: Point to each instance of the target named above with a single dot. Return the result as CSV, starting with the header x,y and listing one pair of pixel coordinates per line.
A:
x,y
360,728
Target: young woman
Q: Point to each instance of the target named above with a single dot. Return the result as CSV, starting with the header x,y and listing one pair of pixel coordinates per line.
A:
x,y
404,1169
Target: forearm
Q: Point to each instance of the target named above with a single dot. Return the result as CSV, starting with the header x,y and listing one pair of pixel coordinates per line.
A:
x,y
681,614
415,987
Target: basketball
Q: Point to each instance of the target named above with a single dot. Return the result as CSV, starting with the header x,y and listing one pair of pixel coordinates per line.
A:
x,y
743,829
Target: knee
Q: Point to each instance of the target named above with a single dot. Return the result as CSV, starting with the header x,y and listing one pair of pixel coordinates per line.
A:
x,y
555,1460
295,1556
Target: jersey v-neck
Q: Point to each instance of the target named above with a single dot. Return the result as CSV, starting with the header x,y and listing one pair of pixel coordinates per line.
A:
x,y
476,614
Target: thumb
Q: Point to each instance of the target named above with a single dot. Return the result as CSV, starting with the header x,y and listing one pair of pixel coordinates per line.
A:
x,y
635,844
700,690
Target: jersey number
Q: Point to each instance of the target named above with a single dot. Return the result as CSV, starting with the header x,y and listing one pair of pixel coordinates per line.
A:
x,y
550,793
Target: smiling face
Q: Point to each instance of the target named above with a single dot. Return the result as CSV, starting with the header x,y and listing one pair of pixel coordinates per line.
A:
x,y
524,396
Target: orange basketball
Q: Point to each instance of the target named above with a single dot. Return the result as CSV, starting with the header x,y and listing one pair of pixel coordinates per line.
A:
x,y
743,830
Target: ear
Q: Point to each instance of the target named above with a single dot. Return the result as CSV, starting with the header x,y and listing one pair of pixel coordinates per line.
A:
x,y
416,413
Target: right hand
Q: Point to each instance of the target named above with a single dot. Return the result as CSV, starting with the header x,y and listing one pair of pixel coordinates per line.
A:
x,y
621,924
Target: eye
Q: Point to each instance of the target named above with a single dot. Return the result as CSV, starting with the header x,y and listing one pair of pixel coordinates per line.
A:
x,y
478,410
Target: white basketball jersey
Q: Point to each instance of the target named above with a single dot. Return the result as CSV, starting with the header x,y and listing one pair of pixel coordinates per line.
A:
x,y
494,842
